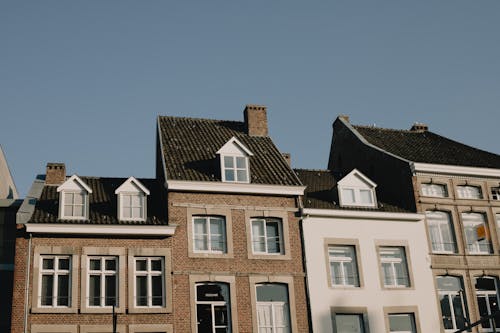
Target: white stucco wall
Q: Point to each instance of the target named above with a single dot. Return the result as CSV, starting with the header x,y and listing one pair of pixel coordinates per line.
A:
x,y
371,295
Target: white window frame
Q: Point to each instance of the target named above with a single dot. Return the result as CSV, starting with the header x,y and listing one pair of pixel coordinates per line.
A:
x,y
102,273
357,197
142,206
487,294
64,203
213,304
55,273
265,237
208,220
410,315
470,222
434,190
434,219
449,294
235,168
274,306
149,274
466,192
343,260
393,261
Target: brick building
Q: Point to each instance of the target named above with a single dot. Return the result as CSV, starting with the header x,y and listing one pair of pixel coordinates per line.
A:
x,y
236,256
458,189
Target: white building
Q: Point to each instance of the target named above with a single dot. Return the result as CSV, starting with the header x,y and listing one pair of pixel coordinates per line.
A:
x,y
367,263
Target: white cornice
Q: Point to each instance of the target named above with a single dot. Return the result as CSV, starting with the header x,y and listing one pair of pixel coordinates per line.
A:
x,y
92,229
194,186
454,170
366,215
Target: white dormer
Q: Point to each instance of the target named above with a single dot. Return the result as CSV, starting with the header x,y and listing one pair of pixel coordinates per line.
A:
x,y
132,200
355,189
74,199
234,162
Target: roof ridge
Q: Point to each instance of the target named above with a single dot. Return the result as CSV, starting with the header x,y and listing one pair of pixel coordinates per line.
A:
x,y
312,170
202,119
389,129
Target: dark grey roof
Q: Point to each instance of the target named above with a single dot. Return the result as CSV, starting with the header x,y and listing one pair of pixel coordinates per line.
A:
x,y
428,147
102,203
321,192
190,146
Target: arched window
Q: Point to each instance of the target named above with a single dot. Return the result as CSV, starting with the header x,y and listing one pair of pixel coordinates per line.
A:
x,y
441,232
453,303
273,314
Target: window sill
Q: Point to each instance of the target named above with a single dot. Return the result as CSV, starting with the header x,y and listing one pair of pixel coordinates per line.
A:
x,y
53,310
210,255
270,256
148,310
107,309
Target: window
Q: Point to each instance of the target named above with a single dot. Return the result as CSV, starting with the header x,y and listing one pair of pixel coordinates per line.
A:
x,y
102,281
402,323
434,190
132,206
349,323
149,282
357,197
495,193
74,205
55,279
453,305
441,232
267,236
394,267
213,313
487,301
343,265
273,308
469,192
209,234
236,169
473,224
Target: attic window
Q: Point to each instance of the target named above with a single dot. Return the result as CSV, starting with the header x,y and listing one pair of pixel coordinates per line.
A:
x,y
132,200
73,199
357,190
234,161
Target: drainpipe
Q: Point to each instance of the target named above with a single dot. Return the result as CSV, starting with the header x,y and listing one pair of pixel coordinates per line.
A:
x,y
26,290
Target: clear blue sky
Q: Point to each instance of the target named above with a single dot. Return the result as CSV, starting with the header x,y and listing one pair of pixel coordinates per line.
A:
x,y
83,82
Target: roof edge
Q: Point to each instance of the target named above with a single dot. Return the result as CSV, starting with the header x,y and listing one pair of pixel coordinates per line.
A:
x,y
200,186
371,215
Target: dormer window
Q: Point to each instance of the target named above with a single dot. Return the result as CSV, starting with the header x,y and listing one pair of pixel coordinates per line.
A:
x,y
234,161
356,189
73,199
132,200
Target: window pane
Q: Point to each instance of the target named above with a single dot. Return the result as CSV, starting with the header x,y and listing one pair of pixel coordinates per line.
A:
x,y
401,323
446,311
141,291
68,210
229,175
258,236
137,212
220,315
48,264
273,237
348,195
95,264
110,264
94,290
469,192
77,210
228,162
349,323
366,196
110,285
157,290
241,175
63,263
274,292
434,190
483,310
241,162
136,200
63,290
156,265
141,265
78,199
47,289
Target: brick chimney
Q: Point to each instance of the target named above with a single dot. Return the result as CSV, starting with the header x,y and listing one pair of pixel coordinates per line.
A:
x,y
55,174
256,120
419,127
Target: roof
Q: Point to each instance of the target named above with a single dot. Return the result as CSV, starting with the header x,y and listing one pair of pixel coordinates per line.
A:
x,y
427,147
321,192
102,203
190,151
7,187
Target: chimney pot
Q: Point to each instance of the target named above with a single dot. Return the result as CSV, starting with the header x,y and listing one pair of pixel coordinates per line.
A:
x,y
419,127
256,120
55,174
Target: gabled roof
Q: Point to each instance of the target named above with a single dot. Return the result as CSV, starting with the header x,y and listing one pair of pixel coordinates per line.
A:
x,y
360,176
427,147
74,183
132,185
321,192
102,203
233,144
189,151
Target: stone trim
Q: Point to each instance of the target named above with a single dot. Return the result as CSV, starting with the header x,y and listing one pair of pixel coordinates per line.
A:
x,y
35,328
395,243
283,215
74,278
388,310
152,252
210,211
101,328
359,310
103,251
281,279
231,280
343,241
144,328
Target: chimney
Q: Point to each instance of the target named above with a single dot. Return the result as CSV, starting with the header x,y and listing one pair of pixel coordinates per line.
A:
x,y
419,127
55,174
288,158
256,120
344,117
